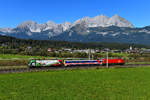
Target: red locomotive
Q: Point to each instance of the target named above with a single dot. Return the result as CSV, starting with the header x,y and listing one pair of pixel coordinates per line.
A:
x,y
113,61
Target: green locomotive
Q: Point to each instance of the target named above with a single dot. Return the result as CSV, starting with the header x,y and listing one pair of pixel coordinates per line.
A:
x,y
42,63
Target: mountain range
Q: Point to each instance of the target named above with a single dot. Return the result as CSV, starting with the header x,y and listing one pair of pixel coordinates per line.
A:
x,y
97,29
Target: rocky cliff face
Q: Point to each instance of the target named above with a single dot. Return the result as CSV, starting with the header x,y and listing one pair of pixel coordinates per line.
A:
x,y
104,21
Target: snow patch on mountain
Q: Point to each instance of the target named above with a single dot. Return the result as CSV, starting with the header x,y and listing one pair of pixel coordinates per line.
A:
x,y
145,31
115,34
102,33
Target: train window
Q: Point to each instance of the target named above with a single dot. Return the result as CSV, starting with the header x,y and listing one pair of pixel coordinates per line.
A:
x,y
67,61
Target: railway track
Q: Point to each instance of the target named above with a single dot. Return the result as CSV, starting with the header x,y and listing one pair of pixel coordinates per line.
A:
x,y
21,70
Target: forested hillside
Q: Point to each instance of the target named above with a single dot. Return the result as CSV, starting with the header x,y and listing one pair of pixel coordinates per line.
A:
x,y
10,45
12,42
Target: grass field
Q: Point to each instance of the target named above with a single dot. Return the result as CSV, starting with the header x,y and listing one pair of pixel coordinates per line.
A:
x,y
12,67
15,61
138,63
93,84
14,57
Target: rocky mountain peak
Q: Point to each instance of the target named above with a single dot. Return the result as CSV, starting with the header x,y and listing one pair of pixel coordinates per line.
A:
x,y
31,25
119,21
116,16
27,24
104,21
7,30
50,25
66,25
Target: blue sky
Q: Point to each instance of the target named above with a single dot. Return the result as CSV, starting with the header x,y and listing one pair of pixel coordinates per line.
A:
x,y
13,12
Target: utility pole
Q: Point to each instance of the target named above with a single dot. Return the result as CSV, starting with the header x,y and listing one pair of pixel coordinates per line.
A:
x,y
89,53
107,60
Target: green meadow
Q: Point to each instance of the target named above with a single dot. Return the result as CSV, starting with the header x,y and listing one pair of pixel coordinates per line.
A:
x,y
90,84
20,57
17,61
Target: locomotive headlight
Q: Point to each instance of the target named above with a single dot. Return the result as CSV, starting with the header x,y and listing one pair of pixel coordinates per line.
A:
x,y
119,61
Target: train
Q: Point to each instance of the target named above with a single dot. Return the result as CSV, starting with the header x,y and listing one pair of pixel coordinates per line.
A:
x,y
58,63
